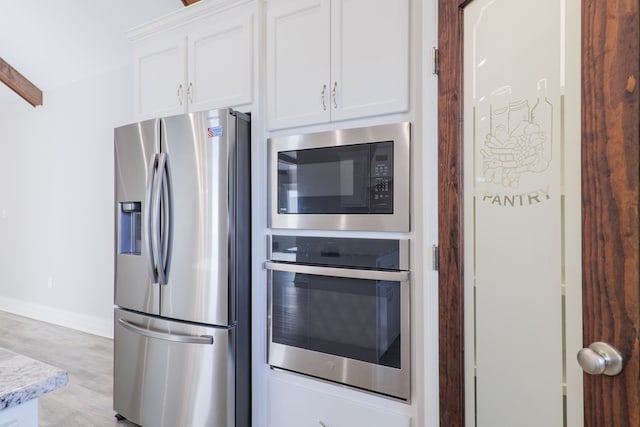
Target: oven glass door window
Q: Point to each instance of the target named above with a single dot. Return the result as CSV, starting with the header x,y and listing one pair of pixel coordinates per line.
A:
x,y
333,180
353,318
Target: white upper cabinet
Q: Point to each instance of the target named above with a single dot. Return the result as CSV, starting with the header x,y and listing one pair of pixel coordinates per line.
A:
x,y
369,57
198,58
298,57
160,75
220,61
336,60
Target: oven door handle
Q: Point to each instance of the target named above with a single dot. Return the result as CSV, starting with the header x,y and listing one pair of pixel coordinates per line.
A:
x,y
388,276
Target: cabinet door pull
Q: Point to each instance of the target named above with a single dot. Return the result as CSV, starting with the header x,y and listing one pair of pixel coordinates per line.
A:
x,y
190,93
323,97
322,424
180,93
334,92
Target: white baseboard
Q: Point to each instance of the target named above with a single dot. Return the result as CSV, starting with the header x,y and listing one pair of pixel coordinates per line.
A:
x,y
81,322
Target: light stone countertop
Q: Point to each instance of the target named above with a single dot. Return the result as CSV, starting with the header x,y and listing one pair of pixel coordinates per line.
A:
x,y
23,379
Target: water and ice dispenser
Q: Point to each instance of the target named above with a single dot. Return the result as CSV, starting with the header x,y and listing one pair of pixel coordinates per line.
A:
x,y
129,228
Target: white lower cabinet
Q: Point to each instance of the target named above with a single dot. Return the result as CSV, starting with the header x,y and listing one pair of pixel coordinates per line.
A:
x,y
293,405
23,415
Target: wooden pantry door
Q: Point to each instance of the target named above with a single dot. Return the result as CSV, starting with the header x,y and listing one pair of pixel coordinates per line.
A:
x,y
538,199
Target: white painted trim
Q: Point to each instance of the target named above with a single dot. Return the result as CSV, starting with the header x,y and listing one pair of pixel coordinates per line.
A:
x,y
81,322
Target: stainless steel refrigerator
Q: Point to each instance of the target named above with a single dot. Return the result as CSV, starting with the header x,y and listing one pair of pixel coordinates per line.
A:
x,y
182,271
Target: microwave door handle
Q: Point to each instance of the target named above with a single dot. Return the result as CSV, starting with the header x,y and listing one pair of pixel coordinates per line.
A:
x,y
183,339
389,276
149,219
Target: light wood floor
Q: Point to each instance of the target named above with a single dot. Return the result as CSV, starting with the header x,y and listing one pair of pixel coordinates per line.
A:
x,y
87,400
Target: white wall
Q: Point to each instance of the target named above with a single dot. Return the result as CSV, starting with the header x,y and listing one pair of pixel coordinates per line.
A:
x,y
56,202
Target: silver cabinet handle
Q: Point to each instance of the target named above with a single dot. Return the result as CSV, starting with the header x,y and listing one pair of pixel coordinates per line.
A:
x,y
190,93
334,94
390,276
600,358
322,424
323,95
184,339
180,93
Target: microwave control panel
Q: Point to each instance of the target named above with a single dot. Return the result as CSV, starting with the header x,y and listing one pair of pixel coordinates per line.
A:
x,y
382,177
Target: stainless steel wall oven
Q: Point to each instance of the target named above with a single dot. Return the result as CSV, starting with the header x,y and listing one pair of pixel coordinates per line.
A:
x,y
350,179
339,310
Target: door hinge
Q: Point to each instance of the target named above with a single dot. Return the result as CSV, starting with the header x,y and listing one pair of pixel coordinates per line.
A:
x,y
435,61
436,261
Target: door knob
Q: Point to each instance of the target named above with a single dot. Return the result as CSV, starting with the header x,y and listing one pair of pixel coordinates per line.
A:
x,y
600,358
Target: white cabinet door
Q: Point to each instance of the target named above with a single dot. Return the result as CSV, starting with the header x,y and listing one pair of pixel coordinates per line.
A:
x,y
298,62
369,57
160,76
336,60
199,58
290,405
220,62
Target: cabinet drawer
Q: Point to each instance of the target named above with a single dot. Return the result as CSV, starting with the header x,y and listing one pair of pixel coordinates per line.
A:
x,y
292,405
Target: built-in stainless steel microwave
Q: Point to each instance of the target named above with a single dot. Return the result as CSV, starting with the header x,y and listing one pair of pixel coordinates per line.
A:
x,y
349,179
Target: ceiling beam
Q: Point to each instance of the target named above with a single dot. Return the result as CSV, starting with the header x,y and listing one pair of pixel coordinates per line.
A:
x,y
19,84
188,2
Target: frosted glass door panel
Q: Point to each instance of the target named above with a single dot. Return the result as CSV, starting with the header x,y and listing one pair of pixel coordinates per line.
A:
x,y
520,161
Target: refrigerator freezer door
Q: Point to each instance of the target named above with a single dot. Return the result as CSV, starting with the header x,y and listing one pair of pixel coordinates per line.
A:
x,y
200,149
172,373
136,148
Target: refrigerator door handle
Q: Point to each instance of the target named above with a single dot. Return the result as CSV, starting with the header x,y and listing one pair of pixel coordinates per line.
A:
x,y
167,218
183,339
149,220
156,236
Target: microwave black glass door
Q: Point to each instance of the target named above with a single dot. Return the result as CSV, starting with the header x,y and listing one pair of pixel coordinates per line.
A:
x,y
348,179
353,318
